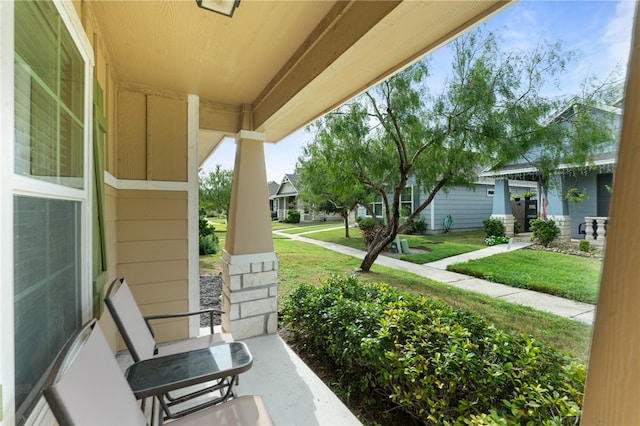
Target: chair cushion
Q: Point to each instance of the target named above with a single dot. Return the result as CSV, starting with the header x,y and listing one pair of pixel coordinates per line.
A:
x,y
92,389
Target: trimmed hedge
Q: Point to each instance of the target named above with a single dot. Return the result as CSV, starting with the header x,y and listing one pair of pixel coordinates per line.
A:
x,y
436,363
493,227
544,231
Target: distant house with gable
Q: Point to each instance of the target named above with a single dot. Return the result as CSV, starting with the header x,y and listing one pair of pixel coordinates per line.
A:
x,y
285,198
587,218
272,187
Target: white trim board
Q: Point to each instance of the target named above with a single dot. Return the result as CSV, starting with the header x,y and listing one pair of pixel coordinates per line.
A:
x,y
144,185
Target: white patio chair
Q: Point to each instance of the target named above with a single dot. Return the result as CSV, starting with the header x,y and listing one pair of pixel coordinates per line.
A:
x,y
87,387
138,335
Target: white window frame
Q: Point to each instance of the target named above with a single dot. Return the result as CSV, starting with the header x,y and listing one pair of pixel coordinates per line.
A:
x,y
12,185
410,187
381,203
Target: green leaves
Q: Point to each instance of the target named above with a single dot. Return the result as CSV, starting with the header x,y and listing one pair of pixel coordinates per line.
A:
x,y
215,189
490,111
438,364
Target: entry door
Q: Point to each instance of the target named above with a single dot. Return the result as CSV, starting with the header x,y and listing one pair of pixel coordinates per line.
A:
x,y
604,196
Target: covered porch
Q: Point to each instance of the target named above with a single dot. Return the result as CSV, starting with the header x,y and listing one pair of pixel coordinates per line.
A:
x,y
176,81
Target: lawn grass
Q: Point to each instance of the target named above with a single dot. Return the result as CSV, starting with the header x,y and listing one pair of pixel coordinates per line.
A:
x,y
315,227
439,246
306,263
337,236
437,251
280,226
572,277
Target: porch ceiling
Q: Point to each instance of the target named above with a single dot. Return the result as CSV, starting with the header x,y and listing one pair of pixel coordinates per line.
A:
x,y
285,63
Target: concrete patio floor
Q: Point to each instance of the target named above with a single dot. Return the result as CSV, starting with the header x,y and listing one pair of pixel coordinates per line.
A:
x,y
292,392
294,395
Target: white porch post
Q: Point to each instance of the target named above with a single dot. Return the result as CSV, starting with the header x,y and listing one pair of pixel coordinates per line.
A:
x,y
249,262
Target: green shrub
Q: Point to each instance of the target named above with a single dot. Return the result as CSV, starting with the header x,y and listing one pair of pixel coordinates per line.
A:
x,y
293,216
544,231
368,229
584,245
435,363
209,244
493,227
367,223
204,227
418,226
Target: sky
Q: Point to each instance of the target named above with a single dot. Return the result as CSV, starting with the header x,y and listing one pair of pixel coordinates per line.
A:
x,y
599,30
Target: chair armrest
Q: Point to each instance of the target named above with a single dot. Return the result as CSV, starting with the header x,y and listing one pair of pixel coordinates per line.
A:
x,y
210,311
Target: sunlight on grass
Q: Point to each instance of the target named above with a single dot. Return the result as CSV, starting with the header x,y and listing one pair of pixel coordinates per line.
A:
x,y
278,226
313,228
573,277
305,263
438,251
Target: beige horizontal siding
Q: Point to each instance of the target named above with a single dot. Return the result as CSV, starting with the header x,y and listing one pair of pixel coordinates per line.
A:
x,y
152,249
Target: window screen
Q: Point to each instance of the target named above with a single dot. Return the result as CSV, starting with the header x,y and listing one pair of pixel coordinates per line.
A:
x,y
46,287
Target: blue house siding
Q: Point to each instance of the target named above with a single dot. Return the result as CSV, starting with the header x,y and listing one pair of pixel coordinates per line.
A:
x,y
467,207
588,207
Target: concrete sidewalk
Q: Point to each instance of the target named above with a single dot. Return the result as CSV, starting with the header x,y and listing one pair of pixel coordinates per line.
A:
x,y
436,271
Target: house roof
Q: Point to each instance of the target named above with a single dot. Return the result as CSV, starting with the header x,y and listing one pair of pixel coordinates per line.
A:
x,y
275,66
292,188
604,161
273,188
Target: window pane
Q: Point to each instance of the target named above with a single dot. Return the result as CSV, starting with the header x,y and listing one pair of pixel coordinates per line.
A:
x,y
71,76
49,97
46,287
406,194
36,38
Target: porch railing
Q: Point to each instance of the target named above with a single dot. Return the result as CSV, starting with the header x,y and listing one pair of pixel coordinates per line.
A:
x,y
596,229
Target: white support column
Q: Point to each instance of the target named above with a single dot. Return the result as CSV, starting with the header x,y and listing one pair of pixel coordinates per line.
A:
x,y
249,262
193,288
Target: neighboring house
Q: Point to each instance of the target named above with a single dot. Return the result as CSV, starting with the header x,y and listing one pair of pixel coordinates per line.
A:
x,y
272,187
452,209
588,218
286,198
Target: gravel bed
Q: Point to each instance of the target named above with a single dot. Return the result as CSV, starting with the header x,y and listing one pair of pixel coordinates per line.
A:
x,y
210,297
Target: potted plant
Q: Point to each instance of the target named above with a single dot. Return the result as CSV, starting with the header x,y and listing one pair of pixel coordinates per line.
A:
x,y
516,197
528,195
576,196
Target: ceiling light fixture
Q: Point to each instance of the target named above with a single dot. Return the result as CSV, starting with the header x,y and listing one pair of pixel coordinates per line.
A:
x,y
223,7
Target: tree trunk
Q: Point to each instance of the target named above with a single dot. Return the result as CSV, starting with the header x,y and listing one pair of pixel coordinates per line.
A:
x,y
374,250
346,225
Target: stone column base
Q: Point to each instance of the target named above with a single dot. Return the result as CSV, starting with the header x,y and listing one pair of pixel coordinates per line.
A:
x,y
564,223
249,294
508,221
